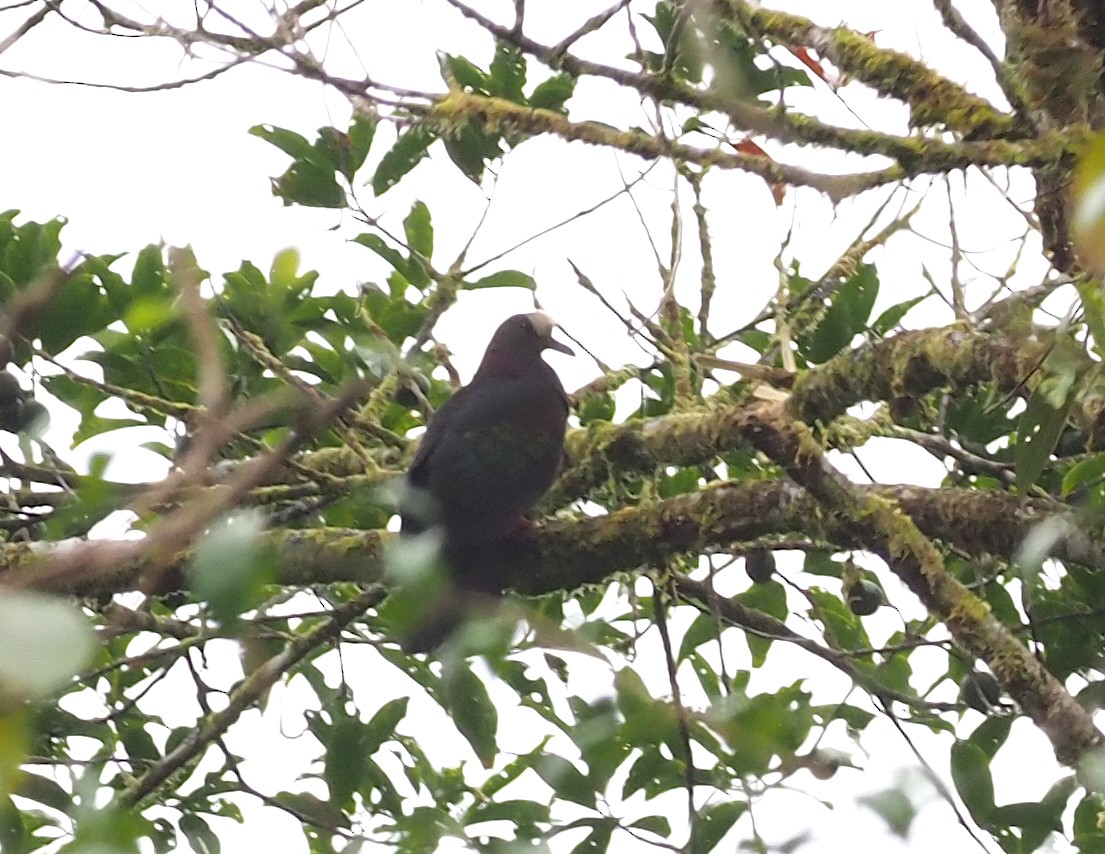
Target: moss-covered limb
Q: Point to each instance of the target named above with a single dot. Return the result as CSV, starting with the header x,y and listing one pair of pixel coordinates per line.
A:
x,y
894,536
498,114
333,463
611,380
747,116
139,401
567,553
1052,50
911,365
1055,57
908,366
933,99
914,156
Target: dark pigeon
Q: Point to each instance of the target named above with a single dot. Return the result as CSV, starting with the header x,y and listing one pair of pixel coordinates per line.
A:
x,y
489,454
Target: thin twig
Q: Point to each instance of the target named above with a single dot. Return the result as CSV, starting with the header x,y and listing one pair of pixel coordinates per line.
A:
x,y
247,692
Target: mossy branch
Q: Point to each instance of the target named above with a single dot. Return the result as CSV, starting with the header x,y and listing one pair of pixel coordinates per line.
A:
x,y
914,156
888,531
501,115
568,553
910,366
932,98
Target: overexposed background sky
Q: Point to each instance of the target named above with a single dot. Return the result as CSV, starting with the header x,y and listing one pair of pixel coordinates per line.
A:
x,y
179,166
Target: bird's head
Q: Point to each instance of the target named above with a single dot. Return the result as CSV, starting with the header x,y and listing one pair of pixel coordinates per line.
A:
x,y
521,339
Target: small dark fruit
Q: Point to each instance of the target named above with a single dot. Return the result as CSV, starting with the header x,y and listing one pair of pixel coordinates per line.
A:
x,y
760,565
864,598
11,403
981,691
34,418
10,389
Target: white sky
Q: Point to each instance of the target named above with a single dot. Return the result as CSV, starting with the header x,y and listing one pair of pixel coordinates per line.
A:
x,y
179,166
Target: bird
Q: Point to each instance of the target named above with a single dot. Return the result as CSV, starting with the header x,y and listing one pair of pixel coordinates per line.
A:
x,y
489,454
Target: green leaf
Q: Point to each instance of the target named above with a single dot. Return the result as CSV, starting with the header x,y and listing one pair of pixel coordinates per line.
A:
x,y
508,72
343,763
146,314
149,277
970,768
598,840
846,628
377,244
762,728
201,838
770,598
407,153
332,149
291,143
361,134
704,628
43,790
822,563
466,699
511,772
419,230
553,94
33,247
1089,835
309,184
680,482
78,308
657,824
1087,471
13,831
381,728
991,734
1039,820
470,147
565,779
707,675
137,741
284,271
525,816
502,279
1037,433
681,47
712,824
845,318
894,807
653,774
463,72
890,318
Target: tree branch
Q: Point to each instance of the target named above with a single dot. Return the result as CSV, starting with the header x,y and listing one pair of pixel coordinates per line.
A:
x,y
891,533
249,691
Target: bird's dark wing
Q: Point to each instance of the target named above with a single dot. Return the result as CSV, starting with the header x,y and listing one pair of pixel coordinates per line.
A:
x,y
441,425
489,454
